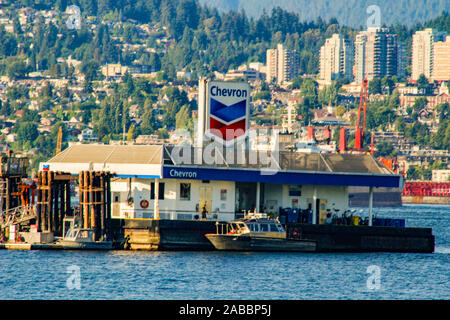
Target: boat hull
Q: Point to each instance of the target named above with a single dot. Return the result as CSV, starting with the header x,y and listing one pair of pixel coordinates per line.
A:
x,y
105,245
247,243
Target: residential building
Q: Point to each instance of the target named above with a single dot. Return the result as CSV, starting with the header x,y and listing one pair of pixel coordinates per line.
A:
x,y
87,135
244,72
113,70
441,60
442,175
377,54
272,65
422,52
282,64
336,58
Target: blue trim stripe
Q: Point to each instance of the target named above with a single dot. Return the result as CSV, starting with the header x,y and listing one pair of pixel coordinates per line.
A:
x,y
283,177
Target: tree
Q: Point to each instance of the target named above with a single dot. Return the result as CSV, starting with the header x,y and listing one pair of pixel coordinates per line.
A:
x,y
420,103
422,83
5,108
309,91
389,83
27,131
443,111
130,134
384,149
412,173
375,86
184,119
17,70
90,70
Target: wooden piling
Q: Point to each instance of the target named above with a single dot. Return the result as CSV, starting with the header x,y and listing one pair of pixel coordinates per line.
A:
x,y
51,218
102,206
39,203
44,200
108,206
86,199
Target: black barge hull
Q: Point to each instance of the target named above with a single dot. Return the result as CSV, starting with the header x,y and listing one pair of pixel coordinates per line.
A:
x,y
190,235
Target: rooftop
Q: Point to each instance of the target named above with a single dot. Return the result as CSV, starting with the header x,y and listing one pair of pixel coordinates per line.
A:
x,y
160,161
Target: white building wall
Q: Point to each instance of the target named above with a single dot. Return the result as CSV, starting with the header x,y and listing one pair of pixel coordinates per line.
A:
x,y
336,196
172,207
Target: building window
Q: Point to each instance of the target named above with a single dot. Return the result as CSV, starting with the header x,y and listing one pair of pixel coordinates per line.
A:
x,y
161,191
223,195
185,191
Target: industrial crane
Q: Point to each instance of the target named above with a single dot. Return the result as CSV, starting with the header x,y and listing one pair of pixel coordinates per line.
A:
x,y
359,135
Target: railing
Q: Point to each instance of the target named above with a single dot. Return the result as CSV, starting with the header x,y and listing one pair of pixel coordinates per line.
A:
x,y
17,215
435,189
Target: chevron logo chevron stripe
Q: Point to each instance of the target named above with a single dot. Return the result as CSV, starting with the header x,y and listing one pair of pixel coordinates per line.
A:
x,y
236,129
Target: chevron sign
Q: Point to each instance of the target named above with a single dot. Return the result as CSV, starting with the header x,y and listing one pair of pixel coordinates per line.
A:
x,y
227,111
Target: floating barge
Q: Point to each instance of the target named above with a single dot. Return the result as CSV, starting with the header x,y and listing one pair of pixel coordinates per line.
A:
x,y
154,198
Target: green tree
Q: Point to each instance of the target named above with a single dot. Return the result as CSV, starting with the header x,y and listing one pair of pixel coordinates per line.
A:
x,y
17,70
184,119
375,86
27,131
422,83
389,83
384,149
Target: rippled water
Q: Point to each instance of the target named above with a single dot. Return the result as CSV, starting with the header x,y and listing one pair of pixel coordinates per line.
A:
x,y
219,275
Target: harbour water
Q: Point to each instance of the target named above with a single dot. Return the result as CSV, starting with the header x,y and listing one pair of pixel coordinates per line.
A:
x,y
218,275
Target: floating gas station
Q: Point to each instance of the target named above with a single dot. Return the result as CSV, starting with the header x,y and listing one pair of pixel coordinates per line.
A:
x,y
160,193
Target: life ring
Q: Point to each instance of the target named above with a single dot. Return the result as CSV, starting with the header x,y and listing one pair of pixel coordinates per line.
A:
x,y
296,233
144,204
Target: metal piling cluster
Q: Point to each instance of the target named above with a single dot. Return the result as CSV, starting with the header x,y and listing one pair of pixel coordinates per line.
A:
x,y
95,200
53,201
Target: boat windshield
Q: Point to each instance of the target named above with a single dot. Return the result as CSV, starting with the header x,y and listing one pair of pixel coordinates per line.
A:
x,y
71,233
255,226
239,227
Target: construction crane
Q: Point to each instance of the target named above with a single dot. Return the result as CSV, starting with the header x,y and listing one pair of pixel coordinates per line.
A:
x,y
359,135
59,141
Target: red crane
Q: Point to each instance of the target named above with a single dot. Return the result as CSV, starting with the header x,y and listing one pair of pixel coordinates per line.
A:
x,y
359,135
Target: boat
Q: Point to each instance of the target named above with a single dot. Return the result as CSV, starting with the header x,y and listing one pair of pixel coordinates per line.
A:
x,y
77,237
257,234
80,238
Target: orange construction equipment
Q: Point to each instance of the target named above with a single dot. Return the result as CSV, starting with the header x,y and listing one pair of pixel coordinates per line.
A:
x,y
59,141
359,135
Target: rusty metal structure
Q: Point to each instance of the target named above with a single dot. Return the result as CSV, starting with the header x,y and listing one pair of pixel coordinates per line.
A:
x,y
13,191
53,201
95,200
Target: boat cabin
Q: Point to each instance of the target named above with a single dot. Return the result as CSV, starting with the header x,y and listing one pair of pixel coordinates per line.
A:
x,y
73,231
79,235
253,227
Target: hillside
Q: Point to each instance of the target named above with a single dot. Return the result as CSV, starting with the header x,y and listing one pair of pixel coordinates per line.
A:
x,y
348,12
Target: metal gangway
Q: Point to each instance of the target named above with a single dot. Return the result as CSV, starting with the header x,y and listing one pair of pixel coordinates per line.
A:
x,y
17,215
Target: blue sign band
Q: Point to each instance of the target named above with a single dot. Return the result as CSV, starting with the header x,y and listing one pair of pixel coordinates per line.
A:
x,y
283,177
